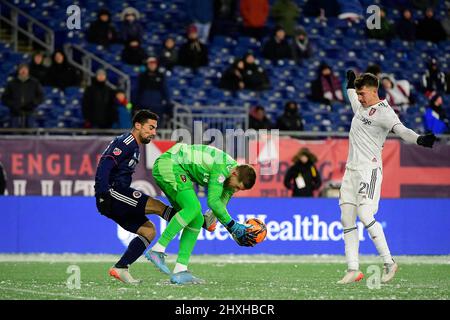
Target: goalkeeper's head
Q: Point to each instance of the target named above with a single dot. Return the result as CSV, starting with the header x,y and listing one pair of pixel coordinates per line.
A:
x,y
366,86
242,177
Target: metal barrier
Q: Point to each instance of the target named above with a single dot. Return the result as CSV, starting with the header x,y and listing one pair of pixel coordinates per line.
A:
x,y
31,25
211,117
75,53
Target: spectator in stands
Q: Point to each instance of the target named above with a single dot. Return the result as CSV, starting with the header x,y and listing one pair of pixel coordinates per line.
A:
x,y
233,77
430,29
98,104
406,27
446,24
22,95
398,93
254,15
153,92
258,119
102,31
435,119
61,74
327,87
38,68
168,57
133,53
131,27
301,46
255,77
290,120
321,9
2,179
386,31
285,13
193,53
201,13
433,79
350,10
303,177
277,47
123,110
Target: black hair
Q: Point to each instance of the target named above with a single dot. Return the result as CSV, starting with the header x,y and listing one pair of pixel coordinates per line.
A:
x,y
143,115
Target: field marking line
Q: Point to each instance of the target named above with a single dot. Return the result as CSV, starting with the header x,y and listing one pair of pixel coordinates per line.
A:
x,y
48,293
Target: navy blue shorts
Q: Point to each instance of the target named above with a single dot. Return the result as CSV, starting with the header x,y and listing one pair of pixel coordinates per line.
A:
x,y
128,208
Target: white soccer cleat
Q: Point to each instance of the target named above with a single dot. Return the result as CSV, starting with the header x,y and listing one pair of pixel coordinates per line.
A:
x,y
351,276
123,275
389,271
210,221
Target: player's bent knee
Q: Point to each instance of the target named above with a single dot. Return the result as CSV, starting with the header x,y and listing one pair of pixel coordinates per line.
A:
x,y
154,206
147,230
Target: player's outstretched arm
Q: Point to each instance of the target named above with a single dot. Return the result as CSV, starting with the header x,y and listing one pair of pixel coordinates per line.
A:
x,y
351,91
426,140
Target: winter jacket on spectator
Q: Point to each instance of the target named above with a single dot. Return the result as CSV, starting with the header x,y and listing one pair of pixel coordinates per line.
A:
x,y
290,120
430,29
22,95
102,31
435,118
398,93
446,24
326,87
168,57
303,177
152,91
301,46
258,120
61,74
131,27
285,13
254,13
193,53
98,105
277,47
434,79
123,109
38,69
133,53
406,27
233,77
255,77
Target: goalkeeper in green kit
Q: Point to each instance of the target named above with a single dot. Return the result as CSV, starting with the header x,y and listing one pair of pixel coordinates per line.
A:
x,y
175,171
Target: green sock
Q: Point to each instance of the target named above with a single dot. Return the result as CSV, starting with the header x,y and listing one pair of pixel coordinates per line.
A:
x,y
191,207
189,239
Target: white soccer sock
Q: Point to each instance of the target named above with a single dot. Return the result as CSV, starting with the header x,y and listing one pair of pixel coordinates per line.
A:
x,y
351,238
377,235
158,248
179,268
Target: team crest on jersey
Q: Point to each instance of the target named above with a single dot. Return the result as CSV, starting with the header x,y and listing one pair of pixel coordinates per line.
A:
x,y
221,179
137,194
372,111
183,178
117,151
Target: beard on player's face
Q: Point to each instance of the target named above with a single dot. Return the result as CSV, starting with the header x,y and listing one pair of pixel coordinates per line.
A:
x,y
146,138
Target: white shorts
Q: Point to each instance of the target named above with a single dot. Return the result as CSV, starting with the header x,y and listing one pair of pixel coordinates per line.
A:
x,y
361,187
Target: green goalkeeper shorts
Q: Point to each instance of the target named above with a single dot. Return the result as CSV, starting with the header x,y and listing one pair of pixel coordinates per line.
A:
x,y
171,178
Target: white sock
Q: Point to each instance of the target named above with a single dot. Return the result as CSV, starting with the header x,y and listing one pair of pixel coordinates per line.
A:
x,y
377,235
351,240
158,248
179,268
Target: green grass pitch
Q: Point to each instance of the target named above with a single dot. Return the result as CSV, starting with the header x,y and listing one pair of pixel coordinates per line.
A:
x,y
227,276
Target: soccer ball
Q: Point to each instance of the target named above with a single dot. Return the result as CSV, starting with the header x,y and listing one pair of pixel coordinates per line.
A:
x,y
259,228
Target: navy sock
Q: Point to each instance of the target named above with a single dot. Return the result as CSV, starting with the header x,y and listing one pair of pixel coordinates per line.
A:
x,y
135,249
168,213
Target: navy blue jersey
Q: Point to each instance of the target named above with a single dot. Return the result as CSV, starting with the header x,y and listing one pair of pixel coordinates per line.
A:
x,y
117,164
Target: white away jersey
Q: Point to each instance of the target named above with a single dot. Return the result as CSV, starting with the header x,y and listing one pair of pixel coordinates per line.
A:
x,y
369,129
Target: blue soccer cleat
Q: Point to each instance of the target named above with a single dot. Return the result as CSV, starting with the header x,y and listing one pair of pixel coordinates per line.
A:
x,y
158,259
185,277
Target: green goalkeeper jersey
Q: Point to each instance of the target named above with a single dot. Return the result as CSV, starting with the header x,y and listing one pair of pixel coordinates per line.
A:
x,y
210,167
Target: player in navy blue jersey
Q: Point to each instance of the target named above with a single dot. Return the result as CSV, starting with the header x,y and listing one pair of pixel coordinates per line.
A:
x,y
128,207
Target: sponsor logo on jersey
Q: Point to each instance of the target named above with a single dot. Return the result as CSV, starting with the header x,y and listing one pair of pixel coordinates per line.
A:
x,y
183,178
366,121
372,111
137,194
117,151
